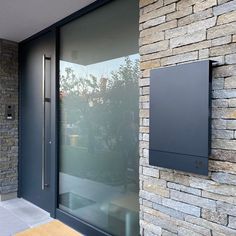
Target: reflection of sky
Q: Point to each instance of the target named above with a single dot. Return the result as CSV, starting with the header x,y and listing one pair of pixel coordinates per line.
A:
x,y
99,70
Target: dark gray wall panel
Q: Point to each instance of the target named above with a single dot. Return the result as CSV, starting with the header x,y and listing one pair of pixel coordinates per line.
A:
x,y
179,116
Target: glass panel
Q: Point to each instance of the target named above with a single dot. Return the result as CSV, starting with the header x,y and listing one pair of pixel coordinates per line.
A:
x,y
99,95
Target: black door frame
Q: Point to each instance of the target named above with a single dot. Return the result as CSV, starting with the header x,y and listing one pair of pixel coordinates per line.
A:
x,y
76,223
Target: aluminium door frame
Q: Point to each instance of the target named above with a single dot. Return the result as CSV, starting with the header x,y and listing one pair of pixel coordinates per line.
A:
x,y
76,223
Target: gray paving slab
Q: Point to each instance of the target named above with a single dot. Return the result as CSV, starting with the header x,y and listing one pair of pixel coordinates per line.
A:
x,y
17,215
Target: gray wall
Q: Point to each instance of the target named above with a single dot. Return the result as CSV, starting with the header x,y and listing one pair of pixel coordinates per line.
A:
x,y
8,128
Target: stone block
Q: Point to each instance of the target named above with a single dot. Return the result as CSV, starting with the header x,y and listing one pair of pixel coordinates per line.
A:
x,y
183,188
203,5
226,18
218,124
202,25
183,232
227,167
223,155
156,29
156,189
224,71
169,211
178,14
203,53
226,7
155,47
193,200
150,64
154,22
195,17
219,103
144,82
221,30
150,196
182,4
214,216
151,7
230,59
234,38
232,102
224,178
176,32
194,228
152,38
171,176
213,187
146,90
232,222
144,144
146,137
144,75
179,58
227,208
183,207
221,40
154,229
219,197
188,39
144,113
146,153
210,225
157,55
162,220
143,129
223,50
230,83
222,134
192,47
224,144
231,124
168,233
151,172
143,3
157,12
146,122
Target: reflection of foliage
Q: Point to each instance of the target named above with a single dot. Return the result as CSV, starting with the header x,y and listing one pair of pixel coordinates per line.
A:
x,y
105,110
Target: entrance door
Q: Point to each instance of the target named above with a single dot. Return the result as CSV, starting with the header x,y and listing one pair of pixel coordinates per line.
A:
x,y
37,105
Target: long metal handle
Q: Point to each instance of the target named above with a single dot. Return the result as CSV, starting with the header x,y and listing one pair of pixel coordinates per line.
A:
x,y
43,125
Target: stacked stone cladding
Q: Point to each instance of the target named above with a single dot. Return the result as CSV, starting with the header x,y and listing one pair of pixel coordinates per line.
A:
x,y
8,128
173,202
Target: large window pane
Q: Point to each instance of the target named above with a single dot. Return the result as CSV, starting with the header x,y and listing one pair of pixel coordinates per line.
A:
x,y
99,70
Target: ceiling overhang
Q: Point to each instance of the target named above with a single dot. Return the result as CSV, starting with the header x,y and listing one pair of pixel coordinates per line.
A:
x,y
20,19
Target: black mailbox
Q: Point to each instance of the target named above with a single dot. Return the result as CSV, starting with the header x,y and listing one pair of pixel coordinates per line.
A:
x,y
180,117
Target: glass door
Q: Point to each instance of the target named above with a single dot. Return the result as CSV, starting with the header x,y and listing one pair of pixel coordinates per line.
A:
x,y
99,97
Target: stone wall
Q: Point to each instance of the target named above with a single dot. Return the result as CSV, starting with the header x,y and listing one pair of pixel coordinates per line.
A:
x,y
173,202
8,128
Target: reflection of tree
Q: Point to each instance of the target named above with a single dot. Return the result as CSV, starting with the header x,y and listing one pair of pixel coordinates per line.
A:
x,y
105,110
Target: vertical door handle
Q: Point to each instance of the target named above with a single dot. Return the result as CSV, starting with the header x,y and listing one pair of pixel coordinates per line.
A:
x,y
44,99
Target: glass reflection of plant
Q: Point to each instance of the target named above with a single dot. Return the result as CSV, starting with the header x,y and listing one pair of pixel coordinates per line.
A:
x,y
105,112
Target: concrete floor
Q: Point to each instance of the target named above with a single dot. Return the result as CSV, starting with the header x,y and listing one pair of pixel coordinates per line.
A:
x,y
17,215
